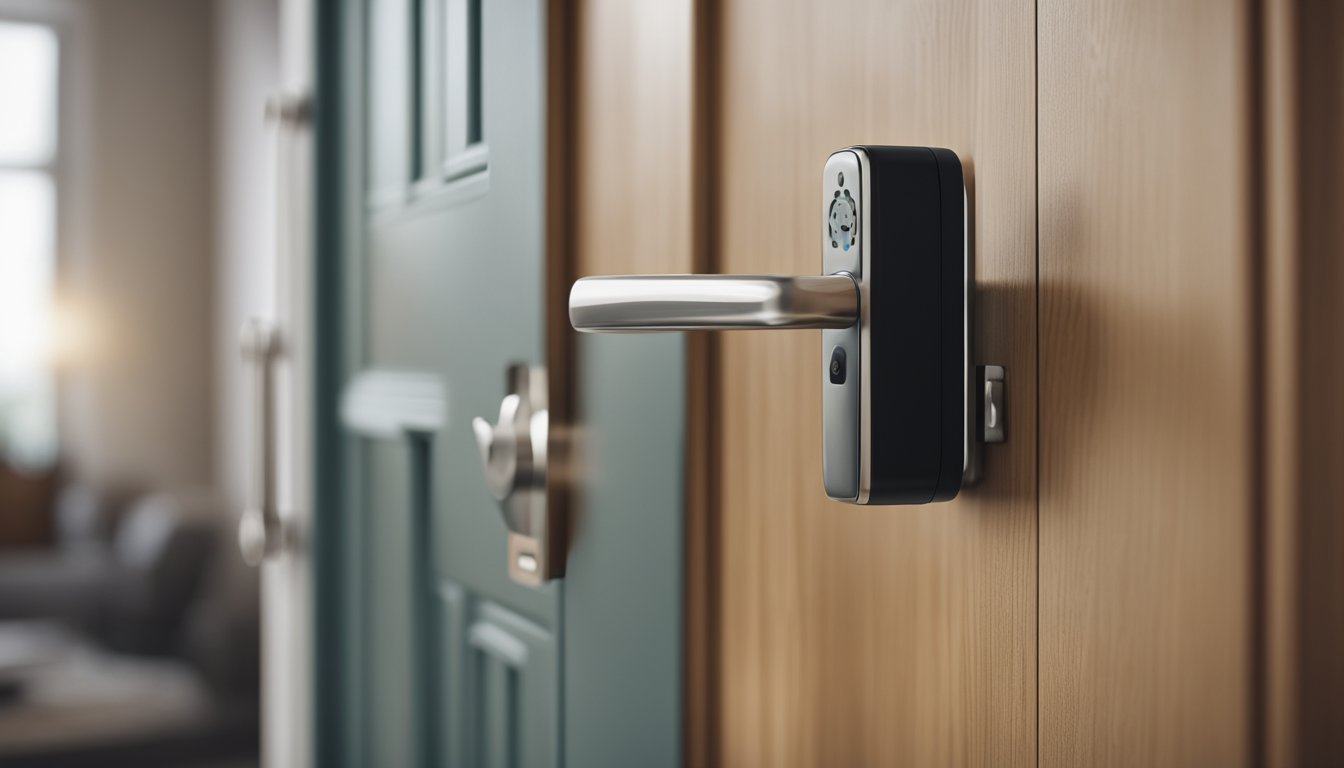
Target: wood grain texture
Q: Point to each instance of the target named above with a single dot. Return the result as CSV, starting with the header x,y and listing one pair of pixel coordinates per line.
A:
x,y
633,137
854,636
1304,375
1147,484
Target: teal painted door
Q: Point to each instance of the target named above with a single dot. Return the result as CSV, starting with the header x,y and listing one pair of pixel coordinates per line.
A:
x,y
431,137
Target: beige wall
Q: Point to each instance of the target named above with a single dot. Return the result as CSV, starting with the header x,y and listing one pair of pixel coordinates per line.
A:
x,y
139,396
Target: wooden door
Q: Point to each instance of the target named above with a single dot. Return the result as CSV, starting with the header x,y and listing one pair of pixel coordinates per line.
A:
x,y
1100,597
1106,596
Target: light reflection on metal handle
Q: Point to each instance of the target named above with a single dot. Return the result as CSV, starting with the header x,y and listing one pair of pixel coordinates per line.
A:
x,y
259,530
712,302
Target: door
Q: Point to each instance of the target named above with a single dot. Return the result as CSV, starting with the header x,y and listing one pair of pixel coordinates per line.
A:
x,y
1092,601
440,243
277,349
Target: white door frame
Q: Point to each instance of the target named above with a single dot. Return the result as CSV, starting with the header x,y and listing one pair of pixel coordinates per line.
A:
x,y
286,583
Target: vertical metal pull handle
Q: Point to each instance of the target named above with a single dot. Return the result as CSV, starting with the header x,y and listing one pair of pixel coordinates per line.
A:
x,y
713,302
260,529
261,532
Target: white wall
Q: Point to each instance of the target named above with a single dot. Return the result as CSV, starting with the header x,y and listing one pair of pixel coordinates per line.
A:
x,y
138,398
246,61
174,247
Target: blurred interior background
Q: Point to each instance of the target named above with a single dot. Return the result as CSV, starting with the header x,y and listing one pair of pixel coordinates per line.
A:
x,y
136,230
1150,576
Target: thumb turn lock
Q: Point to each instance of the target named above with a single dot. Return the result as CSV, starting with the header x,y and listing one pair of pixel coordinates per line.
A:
x,y
513,457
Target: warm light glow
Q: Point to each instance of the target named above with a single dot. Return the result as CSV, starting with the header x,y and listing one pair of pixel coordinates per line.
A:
x,y
71,338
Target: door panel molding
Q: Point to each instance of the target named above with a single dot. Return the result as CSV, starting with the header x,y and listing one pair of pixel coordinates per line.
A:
x,y
390,404
512,686
499,671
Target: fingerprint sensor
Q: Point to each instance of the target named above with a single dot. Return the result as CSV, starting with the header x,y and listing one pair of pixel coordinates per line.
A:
x,y
842,220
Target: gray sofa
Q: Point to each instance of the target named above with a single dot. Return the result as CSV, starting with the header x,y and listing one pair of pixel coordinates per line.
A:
x,y
127,576
157,630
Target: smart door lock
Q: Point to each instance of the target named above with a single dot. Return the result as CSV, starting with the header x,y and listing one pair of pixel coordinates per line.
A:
x,y
903,408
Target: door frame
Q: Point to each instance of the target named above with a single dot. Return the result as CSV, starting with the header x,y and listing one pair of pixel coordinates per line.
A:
x,y
287,578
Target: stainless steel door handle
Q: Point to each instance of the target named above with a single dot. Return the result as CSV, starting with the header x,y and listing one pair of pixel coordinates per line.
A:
x,y
903,408
260,531
713,302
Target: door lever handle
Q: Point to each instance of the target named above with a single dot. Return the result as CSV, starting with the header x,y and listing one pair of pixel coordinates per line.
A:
x,y
713,302
260,530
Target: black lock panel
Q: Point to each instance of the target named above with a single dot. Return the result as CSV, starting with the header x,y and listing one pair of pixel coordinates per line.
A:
x,y
917,314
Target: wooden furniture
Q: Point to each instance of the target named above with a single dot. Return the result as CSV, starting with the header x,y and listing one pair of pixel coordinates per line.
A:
x,y
27,501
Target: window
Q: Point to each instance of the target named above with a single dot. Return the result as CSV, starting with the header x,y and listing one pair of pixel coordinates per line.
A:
x,y
29,55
